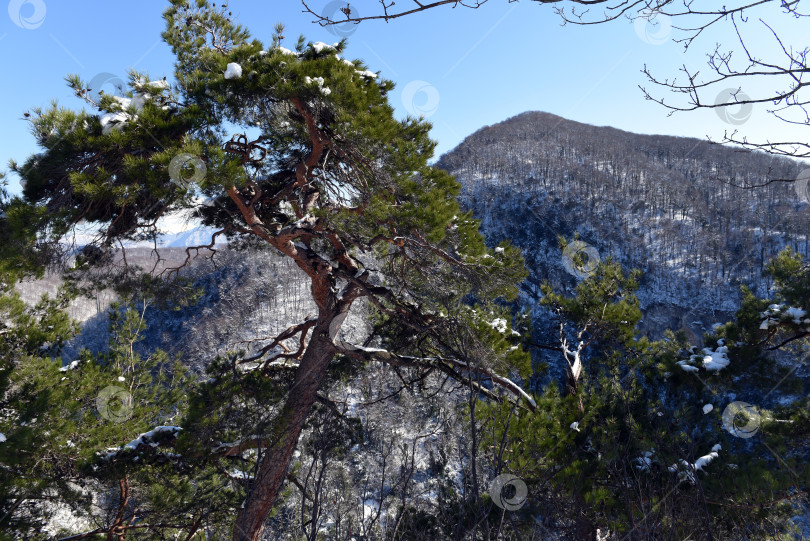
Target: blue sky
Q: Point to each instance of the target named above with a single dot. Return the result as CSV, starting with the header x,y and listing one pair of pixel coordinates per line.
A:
x,y
462,68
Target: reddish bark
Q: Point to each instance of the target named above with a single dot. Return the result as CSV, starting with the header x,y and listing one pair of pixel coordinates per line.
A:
x,y
274,459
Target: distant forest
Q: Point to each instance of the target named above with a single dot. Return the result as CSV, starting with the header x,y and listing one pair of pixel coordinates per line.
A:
x,y
664,204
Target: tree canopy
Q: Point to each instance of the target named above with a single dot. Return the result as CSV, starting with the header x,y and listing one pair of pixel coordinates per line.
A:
x,y
297,150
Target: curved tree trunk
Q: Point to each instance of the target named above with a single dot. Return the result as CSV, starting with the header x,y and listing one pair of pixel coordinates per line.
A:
x,y
275,458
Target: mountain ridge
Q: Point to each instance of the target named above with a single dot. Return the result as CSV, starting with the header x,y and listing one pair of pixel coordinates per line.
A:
x,y
661,203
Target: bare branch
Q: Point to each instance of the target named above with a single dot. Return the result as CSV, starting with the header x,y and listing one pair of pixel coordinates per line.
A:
x,y
445,364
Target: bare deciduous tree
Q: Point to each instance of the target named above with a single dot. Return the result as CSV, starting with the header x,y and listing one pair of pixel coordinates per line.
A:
x,y
761,67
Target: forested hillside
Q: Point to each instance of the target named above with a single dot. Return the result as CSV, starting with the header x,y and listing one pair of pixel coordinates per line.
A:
x,y
584,335
682,210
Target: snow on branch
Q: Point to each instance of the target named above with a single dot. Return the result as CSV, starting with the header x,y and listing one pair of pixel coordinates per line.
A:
x,y
711,360
447,365
147,440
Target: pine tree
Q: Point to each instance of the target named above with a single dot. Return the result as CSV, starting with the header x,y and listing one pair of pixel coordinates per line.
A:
x,y
26,335
60,422
321,172
631,445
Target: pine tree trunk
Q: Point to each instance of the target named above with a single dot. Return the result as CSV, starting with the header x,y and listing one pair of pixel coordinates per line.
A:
x,y
272,466
572,384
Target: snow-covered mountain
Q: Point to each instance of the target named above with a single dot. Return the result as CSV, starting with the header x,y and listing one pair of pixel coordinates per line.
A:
x,y
669,206
197,236
177,230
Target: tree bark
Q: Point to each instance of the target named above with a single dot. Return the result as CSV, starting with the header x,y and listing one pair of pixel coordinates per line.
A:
x,y
275,458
